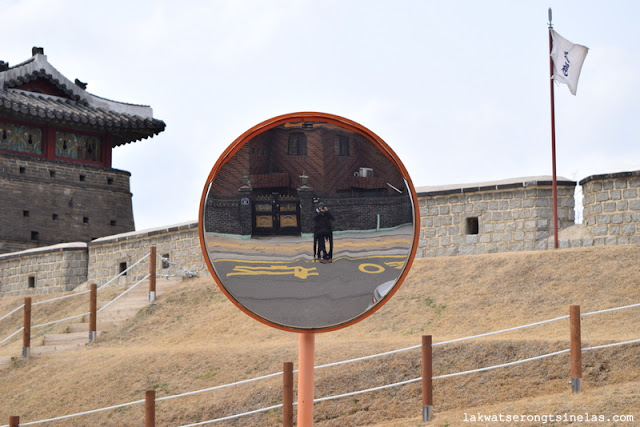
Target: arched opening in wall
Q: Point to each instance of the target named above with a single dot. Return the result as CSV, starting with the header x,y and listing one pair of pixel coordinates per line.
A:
x,y
472,225
32,281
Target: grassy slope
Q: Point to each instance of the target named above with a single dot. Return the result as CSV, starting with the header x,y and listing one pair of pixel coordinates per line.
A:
x,y
194,338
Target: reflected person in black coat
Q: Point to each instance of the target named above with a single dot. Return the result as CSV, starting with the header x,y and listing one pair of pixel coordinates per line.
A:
x,y
323,231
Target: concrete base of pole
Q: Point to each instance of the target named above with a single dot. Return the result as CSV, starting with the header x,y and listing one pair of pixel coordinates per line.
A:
x,y
92,336
26,351
576,385
152,297
427,413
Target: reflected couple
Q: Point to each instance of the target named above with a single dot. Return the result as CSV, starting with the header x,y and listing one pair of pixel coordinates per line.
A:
x,y
305,218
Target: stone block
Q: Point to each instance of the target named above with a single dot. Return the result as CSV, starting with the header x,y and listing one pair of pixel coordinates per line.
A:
x,y
516,246
628,229
466,250
611,241
542,235
472,239
480,206
600,230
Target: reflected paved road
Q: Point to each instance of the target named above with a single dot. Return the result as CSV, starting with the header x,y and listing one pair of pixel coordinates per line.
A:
x,y
278,279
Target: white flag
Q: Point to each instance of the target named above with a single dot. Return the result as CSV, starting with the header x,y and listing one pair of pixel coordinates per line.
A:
x,y
567,61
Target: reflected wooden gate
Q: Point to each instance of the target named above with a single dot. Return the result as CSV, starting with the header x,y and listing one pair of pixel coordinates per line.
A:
x,y
276,214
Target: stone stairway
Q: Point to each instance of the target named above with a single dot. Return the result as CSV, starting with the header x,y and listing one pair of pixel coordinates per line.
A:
x,y
77,334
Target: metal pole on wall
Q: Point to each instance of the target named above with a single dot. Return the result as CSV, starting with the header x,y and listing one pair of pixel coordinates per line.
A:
x,y
575,348
305,379
553,143
93,310
427,378
152,274
287,394
26,332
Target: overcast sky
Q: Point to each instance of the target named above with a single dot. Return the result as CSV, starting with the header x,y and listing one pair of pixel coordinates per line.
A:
x,y
458,89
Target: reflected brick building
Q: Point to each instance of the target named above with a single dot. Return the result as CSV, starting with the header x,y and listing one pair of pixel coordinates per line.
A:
x,y
295,166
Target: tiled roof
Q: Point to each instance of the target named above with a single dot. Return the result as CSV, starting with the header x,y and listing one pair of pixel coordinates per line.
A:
x,y
76,109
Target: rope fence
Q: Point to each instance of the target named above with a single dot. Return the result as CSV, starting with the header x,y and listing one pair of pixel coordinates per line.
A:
x,y
11,312
59,321
12,335
186,272
22,306
27,328
353,393
124,293
61,298
74,295
124,272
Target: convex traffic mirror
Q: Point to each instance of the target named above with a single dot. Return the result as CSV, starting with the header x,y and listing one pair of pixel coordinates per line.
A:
x,y
308,222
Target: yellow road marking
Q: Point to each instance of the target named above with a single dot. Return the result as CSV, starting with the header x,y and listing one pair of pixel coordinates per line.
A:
x,y
299,272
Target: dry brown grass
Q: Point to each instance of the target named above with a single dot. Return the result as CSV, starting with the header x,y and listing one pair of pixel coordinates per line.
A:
x,y
195,338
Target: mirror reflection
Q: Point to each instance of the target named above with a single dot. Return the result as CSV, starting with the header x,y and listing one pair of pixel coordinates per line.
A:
x,y
308,224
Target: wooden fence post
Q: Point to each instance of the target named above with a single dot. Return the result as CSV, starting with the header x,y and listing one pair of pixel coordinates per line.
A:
x,y
575,348
26,332
150,408
427,375
14,421
152,274
93,310
287,394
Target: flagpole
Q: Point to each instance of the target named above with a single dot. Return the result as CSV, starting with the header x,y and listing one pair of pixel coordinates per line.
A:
x,y
553,142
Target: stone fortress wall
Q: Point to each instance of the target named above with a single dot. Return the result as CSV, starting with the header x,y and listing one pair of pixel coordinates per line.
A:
x,y
44,202
501,216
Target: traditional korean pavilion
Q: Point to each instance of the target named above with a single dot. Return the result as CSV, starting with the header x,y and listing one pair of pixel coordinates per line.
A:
x,y
56,139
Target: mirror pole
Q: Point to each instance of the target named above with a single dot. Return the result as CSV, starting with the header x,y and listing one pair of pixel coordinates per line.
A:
x,y
305,379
